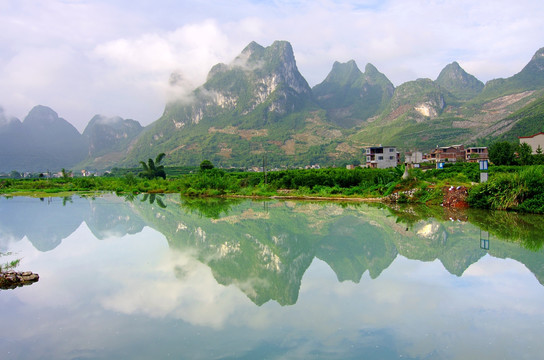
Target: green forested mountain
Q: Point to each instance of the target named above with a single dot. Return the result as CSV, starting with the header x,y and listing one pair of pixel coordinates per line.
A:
x,y
529,78
414,118
259,108
528,120
458,82
352,97
455,109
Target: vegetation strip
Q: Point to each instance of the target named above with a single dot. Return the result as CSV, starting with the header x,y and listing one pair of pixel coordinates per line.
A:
x,y
519,188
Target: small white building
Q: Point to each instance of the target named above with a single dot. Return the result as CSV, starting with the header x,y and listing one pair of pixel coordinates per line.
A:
x,y
413,157
382,157
534,141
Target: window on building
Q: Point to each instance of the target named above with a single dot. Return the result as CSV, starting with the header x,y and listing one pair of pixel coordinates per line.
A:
x,y
380,157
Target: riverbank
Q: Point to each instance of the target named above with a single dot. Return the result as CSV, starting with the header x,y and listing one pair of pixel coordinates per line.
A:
x,y
509,188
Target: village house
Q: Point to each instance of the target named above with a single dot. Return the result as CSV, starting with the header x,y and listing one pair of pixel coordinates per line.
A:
x,y
451,153
413,157
382,157
475,154
535,141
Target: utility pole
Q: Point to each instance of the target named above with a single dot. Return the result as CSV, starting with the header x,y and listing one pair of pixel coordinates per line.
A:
x,y
484,165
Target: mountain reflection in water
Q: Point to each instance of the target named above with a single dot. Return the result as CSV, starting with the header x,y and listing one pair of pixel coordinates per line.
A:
x,y
264,248
161,277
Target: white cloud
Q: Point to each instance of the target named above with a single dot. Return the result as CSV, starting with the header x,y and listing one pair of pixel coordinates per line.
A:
x,y
115,58
196,298
148,61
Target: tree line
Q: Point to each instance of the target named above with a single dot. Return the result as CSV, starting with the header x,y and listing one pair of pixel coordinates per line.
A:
x,y
508,153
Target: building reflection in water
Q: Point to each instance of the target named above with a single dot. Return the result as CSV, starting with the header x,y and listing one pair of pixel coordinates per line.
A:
x,y
484,239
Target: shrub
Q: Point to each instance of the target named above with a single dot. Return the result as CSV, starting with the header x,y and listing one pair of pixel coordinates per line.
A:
x,y
130,179
533,205
83,183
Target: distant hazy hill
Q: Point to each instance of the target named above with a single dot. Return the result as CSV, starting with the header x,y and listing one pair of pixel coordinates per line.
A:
x,y
43,142
110,134
108,140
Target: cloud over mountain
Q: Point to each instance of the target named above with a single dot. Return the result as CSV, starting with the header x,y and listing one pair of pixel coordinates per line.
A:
x,y
115,58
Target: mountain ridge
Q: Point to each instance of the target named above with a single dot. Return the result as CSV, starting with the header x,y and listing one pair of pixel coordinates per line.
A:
x,y
458,82
350,96
260,106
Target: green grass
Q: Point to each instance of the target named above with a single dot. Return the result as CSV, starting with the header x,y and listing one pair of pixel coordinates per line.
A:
x,y
519,188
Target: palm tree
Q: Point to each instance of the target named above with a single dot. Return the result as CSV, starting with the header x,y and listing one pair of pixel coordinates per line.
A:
x,y
152,198
152,169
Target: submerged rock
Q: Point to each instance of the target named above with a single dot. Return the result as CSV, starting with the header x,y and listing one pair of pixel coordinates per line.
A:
x,y
13,279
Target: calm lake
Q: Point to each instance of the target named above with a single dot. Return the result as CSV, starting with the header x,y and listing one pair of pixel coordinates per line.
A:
x,y
162,277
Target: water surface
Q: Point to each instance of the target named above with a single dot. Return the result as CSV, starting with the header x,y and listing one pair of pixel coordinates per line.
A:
x,y
165,277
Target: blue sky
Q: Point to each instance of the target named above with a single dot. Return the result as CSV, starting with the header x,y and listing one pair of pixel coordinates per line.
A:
x,y
114,58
